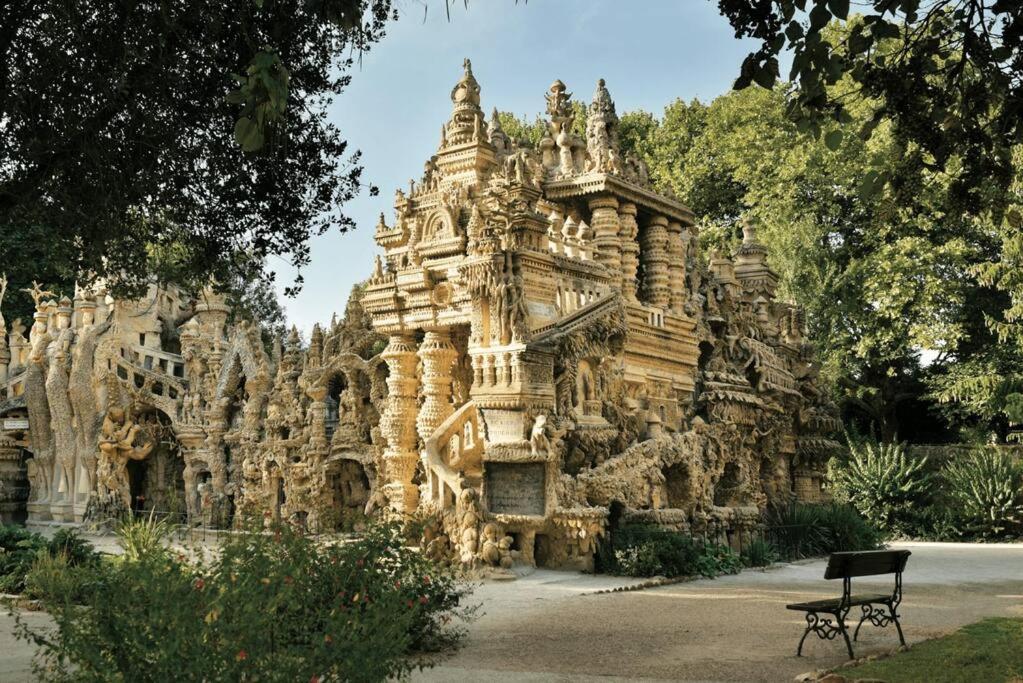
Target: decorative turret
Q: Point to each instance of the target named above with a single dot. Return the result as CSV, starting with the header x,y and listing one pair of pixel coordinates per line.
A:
x,y
466,119
498,138
751,267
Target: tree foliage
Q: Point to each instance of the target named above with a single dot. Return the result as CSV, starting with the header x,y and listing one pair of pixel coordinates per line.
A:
x,y
945,73
120,120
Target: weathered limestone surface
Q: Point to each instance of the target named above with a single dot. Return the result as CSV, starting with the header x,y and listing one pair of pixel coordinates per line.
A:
x,y
539,340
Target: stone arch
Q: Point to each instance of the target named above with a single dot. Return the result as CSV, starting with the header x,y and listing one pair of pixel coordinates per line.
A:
x,y
728,487
157,482
350,487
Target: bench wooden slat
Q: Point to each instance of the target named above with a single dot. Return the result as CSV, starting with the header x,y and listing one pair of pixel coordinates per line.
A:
x,y
835,603
866,563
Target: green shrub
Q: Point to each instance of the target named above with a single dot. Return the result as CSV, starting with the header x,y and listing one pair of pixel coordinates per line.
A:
x,y
267,607
649,550
143,536
985,492
802,530
758,553
845,529
795,531
56,579
884,484
75,549
21,550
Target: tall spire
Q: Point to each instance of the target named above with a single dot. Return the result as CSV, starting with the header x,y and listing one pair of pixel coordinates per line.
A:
x,y
602,131
466,116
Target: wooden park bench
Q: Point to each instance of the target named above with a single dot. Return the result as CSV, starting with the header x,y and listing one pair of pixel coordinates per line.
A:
x,y
880,609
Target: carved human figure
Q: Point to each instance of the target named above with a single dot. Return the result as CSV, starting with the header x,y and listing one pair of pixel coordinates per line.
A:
x,y
539,442
116,446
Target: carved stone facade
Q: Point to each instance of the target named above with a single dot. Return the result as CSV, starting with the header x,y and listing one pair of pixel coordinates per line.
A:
x,y
540,339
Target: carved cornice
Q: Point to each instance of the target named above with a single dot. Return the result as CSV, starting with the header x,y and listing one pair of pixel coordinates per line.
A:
x,y
602,183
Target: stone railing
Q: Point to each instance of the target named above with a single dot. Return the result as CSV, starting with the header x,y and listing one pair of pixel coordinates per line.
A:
x,y
454,450
130,367
14,386
159,361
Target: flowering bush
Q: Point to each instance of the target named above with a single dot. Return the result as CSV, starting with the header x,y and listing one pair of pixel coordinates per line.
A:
x,y
268,607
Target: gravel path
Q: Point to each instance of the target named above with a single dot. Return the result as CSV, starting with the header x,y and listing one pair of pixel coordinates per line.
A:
x,y
553,626
735,628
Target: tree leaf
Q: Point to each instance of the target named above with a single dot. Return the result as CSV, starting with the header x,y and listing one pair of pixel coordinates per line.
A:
x,y
833,140
248,135
839,8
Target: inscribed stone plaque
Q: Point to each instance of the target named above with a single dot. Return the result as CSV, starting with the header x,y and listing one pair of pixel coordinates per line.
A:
x,y
515,488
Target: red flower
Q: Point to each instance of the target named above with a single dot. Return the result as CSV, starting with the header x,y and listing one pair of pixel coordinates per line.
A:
x,y
242,655
423,600
314,679
410,604
199,584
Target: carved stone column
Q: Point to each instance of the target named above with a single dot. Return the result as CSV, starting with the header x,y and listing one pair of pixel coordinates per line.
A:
x,y
656,291
438,355
398,424
606,229
676,267
630,249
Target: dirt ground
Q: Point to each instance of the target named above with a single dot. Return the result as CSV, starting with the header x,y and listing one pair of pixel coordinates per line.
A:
x,y
551,626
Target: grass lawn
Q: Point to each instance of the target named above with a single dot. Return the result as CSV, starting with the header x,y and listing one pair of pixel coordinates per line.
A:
x,y
990,650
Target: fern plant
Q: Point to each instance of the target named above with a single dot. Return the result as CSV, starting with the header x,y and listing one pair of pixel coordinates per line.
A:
x,y
986,490
883,483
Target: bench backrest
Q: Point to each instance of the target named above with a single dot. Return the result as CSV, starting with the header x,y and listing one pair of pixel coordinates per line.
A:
x,y
866,563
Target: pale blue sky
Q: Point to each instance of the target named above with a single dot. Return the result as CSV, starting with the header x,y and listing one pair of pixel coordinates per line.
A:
x,y
650,52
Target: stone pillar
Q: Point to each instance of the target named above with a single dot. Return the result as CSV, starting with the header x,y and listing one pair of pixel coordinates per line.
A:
x,y
676,267
398,424
654,239
630,249
606,229
438,355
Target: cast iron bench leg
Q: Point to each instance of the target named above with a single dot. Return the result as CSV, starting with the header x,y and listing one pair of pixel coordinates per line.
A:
x,y
866,609
811,621
898,626
845,634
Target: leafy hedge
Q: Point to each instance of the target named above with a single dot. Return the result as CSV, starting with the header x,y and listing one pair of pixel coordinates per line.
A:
x,y
648,550
21,549
267,607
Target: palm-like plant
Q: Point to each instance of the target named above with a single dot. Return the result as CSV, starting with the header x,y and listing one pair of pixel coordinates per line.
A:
x,y
986,488
883,482
142,537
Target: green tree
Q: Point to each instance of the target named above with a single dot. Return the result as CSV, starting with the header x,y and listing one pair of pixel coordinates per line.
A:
x,y
945,73
124,132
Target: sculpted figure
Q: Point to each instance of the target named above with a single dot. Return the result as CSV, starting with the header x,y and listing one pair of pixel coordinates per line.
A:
x,y
116,446
539,442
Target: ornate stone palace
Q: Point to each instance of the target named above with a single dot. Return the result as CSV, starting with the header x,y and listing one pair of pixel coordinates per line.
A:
x,y
540,340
